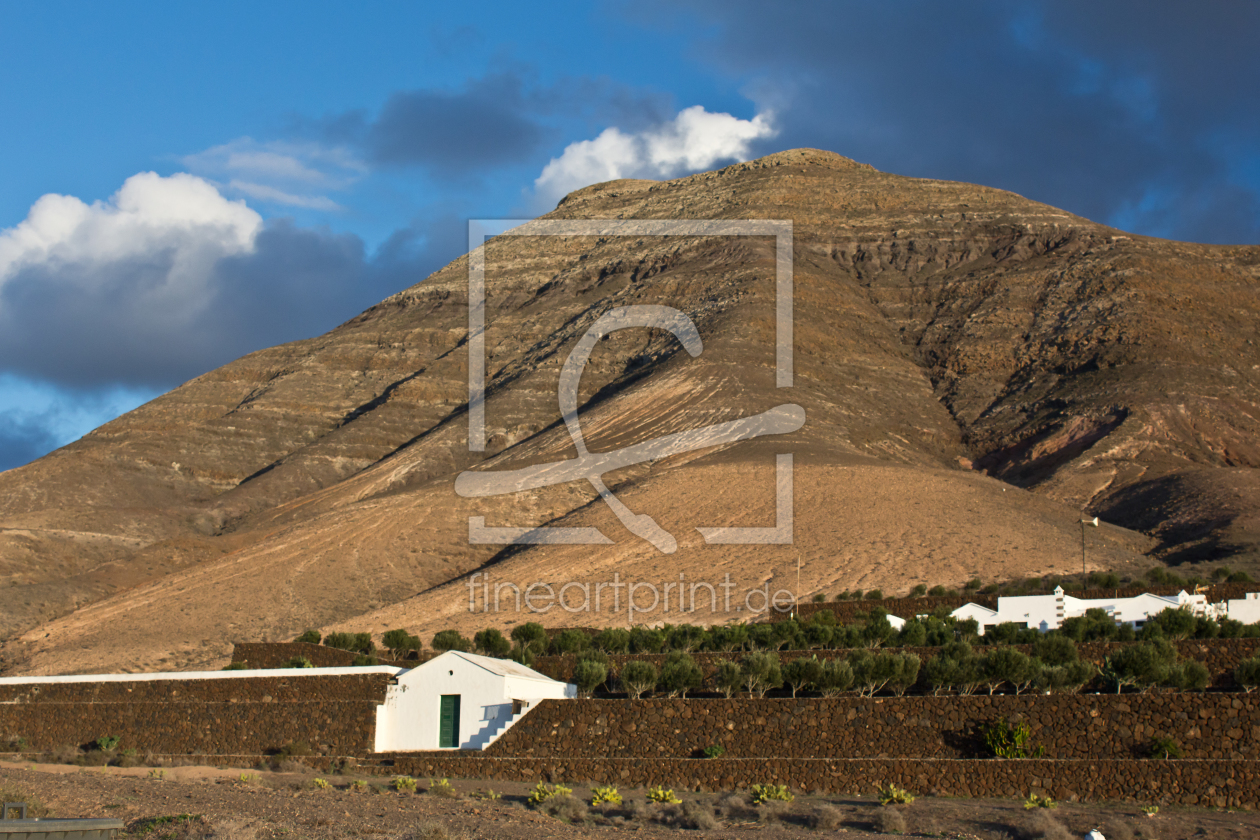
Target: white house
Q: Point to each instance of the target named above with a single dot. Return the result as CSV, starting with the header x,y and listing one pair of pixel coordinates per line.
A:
x,y
460,701
1047,612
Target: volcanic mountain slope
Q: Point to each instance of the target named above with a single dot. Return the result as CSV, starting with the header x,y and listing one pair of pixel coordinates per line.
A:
x,y
975,370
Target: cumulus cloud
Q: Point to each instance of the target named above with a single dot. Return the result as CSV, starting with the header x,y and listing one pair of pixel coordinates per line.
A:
x,y
694,140
289,174
164,281
181,220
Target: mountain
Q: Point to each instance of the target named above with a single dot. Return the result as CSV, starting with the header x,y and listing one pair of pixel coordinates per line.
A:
x,y
975,370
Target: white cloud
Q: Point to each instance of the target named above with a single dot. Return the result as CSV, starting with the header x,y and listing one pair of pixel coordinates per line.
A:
x,y
694,140
290,174
262,192
183,220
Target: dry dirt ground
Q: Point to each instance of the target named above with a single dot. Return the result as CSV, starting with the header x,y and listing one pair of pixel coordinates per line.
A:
x,y
202,803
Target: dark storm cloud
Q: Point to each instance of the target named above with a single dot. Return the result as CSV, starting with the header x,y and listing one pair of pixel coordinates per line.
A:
x,y
23,439
1138,113
59,325
499,120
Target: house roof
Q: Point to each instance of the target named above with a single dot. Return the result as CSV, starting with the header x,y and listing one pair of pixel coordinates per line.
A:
x,y
502,667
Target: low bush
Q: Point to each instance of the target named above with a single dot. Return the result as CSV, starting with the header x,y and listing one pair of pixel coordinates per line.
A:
x,y
1006,741
542,792
589,675
1247,674
1036,800
663,796
608,795
298,662
321,784
1164,747
567,808
893,795
770,793
310,637
638,678
442,788
404,784
713,751
890,821
825,818
445,640
689,815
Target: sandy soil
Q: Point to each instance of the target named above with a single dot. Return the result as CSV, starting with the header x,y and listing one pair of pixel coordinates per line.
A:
x,y
238,804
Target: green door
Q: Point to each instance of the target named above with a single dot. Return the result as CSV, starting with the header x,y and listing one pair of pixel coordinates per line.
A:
x,y
448,722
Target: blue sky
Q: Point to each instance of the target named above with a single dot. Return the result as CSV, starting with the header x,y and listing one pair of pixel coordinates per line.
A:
x,y
184,184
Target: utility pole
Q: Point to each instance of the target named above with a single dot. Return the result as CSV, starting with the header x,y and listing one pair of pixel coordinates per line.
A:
x,y
1085,522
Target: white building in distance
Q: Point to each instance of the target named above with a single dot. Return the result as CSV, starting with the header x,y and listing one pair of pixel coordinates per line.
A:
x,y
1047,612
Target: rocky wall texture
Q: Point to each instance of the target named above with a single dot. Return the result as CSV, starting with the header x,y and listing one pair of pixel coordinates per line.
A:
x,y
226,716
1077,726
275,654
1212,783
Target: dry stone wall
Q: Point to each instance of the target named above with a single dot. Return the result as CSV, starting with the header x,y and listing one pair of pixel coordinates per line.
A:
x,y
1077,726
237,715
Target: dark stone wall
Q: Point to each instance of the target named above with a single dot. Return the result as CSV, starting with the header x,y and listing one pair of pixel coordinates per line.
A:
x,y
1078,726
228,716
1213,783
275,654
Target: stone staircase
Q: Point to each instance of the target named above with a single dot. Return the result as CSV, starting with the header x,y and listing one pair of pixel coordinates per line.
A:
x,y
494,729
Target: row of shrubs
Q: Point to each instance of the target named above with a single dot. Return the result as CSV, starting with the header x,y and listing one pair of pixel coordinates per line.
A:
x,y
1055,666
821,632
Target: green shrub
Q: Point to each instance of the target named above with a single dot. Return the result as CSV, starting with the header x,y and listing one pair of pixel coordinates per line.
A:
x,y
663,796
310,637
1037,801
404,784
834,676
638,678
298,662
445,640
919,590
680,674
1008,666
1165,747
542,792
875,595
771,793
1067,678
399,643
713,751
1006,741
1142,665
571,642
353,642
760,672
728,678
802,672
646,640
491,642
443,788
611,640
321,784
1247,674
589,675
893,795
107,743
607,795
363,660
938,591
237,666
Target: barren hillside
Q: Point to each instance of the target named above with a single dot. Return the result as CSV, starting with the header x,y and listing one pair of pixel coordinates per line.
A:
x,y
975,369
